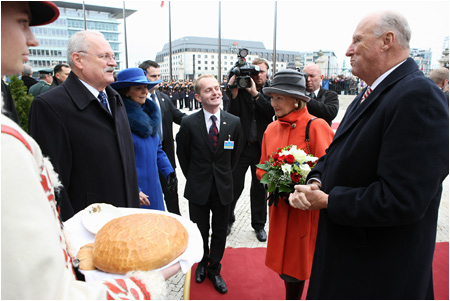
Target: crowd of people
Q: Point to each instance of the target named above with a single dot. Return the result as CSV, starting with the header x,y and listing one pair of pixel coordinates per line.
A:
x,y
362,226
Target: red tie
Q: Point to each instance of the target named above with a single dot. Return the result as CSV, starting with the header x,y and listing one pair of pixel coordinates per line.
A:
x,y
368,91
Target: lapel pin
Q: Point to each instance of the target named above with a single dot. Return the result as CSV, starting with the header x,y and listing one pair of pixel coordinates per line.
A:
x,y
224,122
294,125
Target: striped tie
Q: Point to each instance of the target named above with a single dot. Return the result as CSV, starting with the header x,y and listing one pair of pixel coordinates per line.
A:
x,y
368,91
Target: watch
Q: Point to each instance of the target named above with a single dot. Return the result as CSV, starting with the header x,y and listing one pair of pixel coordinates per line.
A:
x,y
257,96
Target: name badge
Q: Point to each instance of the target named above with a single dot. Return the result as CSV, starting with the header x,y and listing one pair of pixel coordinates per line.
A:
x,y
228,144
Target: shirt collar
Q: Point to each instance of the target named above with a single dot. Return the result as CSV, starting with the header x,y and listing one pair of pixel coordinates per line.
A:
x,y
384,75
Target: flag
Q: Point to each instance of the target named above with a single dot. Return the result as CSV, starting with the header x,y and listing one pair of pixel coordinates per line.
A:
x,y
162,4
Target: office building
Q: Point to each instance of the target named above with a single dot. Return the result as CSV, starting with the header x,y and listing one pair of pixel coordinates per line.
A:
x,y
53,37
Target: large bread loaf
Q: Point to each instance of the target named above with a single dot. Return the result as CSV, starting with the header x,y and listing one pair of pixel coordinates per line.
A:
x,y
139,242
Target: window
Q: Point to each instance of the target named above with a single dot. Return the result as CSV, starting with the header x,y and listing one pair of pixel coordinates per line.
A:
x,y
212,68
206,56
199,68
199,55
206,62
199,62
206,68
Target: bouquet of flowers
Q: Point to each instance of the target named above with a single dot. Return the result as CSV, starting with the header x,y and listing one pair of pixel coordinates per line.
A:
x,y
286,167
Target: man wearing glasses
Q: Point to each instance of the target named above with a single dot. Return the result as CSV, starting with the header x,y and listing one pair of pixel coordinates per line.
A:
x,y
83,127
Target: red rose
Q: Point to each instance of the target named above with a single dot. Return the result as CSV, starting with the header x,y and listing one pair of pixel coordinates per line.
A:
x,y
296,177
275,157
281,158
290,159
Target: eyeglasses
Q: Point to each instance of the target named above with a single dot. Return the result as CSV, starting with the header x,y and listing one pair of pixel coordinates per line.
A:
x,y
105,57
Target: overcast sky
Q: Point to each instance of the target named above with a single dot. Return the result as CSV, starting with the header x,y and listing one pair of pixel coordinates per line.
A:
x,y
301,25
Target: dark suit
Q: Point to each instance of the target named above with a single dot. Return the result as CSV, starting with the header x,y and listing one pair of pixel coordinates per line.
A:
x,y
325,105
28,81
91,150
262,112
209,179
9,107
383,173
169,114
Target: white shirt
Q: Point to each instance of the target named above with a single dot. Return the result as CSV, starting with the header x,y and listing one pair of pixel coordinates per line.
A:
x,y
208,120
383,76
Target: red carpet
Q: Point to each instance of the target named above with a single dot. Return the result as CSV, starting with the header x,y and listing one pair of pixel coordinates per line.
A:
x,y
238,265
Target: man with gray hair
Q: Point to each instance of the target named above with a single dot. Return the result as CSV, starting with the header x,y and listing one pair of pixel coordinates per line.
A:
x,y
27,72
440,77
379,185
83,127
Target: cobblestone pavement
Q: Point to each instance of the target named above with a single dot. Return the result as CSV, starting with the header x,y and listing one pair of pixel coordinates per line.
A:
x,y
242,234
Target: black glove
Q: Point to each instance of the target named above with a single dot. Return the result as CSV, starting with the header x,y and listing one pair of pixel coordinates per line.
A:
x,y
172,182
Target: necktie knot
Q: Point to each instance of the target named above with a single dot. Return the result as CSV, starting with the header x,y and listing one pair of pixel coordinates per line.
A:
x,y
102,97
368,91
153,97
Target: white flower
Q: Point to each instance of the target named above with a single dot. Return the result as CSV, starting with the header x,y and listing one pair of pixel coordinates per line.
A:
x,y
286,168
300,155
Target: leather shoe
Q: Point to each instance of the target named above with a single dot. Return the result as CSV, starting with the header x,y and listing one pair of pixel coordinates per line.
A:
x,y
219,283
200,273
261,235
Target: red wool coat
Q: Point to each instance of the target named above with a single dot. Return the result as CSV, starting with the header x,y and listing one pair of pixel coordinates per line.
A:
x,y
292,232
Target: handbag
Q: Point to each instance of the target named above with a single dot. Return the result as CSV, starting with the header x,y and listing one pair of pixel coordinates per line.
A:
x,y
307,134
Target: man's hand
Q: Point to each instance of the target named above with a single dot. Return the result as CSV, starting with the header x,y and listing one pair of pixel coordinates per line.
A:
x,y
308,197
234,91
252,90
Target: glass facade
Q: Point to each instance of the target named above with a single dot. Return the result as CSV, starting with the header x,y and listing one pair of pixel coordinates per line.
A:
x,y
53,38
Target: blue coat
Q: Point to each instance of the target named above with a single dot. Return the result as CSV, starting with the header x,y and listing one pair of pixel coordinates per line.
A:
x,y
383,173
149,156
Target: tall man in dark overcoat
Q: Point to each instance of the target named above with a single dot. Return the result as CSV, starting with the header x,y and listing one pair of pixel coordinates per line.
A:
x,y
381,178
86,134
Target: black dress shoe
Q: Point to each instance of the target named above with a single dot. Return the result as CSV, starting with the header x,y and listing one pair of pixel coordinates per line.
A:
x,y
261,235
219,283
200,273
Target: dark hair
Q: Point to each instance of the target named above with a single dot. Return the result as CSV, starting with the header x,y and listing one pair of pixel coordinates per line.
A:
x,y
123,91
148,63
59,67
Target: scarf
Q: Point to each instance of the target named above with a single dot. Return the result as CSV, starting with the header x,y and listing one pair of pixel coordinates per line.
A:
x,y
145,120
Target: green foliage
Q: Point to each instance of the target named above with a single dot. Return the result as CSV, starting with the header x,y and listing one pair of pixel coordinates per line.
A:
x,y
22,100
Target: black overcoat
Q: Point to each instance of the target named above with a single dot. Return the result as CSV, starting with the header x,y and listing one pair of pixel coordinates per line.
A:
x,y
91,150
383,173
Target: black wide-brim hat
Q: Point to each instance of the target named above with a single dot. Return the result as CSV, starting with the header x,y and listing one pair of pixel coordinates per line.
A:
x,y
43,12
133,77
288,82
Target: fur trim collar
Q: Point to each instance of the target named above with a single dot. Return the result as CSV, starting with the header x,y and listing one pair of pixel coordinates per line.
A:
x,y
144,121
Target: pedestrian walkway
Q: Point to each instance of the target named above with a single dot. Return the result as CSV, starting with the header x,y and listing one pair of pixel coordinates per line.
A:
x,y
242,234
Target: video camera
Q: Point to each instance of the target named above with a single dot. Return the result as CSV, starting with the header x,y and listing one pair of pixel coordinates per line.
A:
x,y
243,71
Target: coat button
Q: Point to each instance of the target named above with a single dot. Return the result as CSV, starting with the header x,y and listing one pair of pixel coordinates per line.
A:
x,y
294,125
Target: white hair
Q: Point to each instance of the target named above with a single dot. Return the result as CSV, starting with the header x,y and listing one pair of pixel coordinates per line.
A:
x,y
392,21
77,42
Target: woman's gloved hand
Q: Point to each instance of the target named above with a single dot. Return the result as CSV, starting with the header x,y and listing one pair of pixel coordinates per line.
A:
x,y
172,182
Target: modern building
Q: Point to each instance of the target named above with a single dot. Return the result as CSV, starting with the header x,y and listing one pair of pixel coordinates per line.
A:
x,y
423,59
193,56
53,37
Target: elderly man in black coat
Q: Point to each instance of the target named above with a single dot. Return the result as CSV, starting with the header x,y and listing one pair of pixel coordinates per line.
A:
x,y
381,178
83,127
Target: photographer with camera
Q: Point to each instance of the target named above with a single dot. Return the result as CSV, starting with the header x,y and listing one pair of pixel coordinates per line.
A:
x,y
252,106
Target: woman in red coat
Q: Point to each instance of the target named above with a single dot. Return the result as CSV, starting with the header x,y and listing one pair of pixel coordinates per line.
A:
x,y
292,232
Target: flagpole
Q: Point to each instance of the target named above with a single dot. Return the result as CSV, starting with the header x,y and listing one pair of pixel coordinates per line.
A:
x,y
125,35
274,61
219,75
170,43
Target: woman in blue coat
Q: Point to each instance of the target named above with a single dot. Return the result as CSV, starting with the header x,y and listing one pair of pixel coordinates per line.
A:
x,y
145,118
